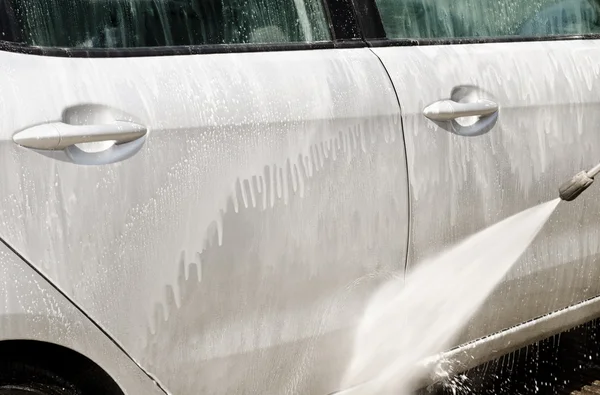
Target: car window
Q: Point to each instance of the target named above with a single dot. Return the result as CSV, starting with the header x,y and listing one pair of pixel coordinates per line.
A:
x,y
152,23
488,18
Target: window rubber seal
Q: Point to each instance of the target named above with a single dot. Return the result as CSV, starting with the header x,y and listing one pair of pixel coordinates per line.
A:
x,y
409,42
174,50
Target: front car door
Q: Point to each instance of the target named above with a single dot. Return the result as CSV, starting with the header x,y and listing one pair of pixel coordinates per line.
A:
x,y
230,245
539,62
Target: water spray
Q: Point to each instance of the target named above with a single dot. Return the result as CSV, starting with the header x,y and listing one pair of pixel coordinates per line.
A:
x,y
579,183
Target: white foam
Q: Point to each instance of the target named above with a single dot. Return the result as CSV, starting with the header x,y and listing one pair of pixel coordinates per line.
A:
x,y
408,321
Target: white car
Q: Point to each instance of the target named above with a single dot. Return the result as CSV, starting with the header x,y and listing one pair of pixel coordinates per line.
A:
x,y
200,197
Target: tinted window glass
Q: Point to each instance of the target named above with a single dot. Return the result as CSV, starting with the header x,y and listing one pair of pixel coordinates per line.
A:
x,y
151,23
488,18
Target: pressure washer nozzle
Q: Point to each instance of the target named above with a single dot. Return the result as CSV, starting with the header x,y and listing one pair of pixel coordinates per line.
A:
x,y
579,183
575,186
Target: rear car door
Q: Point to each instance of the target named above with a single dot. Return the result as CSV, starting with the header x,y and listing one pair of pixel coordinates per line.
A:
x,y
219,185
538,62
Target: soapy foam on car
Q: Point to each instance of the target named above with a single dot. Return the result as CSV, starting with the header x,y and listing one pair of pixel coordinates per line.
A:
x,y
409,321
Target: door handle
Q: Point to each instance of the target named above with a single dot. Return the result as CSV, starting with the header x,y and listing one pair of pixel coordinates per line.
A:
x,y
59,135
59,140
447,110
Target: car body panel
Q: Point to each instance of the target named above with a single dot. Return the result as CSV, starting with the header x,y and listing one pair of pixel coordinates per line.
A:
x,y
33,309
547,130
472,354
234,253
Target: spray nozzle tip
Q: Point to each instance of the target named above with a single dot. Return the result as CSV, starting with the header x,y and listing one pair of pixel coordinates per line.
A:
x,y
571,189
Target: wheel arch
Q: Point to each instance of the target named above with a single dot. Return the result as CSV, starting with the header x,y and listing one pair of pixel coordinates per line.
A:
x,y
44,361
36,316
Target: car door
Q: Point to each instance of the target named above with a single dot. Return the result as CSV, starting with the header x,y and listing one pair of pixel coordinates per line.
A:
x,y
535,65
216,184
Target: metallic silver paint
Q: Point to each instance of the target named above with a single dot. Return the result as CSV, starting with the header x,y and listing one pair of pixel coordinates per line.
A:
x,y
32,309
547,130
475,353
235,252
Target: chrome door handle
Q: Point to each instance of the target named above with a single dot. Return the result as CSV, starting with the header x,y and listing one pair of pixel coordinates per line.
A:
x,y
447,110
59,135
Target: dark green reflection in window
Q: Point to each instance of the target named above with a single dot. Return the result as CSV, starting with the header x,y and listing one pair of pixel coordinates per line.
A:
x,y
488,18
151,23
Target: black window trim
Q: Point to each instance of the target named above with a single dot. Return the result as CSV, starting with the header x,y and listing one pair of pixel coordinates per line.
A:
x,y
369,20
174,51
341,18
371,25
408,42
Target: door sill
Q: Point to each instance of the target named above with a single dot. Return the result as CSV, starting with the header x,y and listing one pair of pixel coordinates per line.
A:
x,y
470,355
